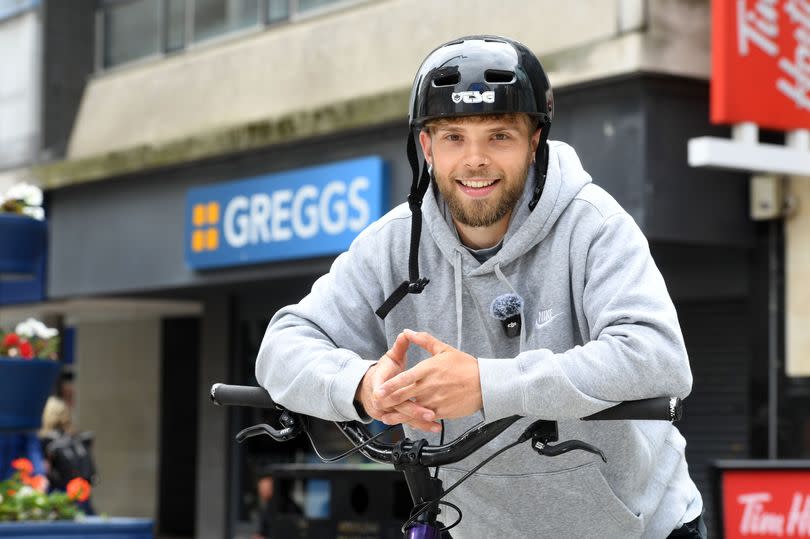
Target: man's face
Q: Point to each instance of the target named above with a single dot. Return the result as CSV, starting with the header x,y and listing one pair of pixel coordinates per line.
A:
x,y
480,164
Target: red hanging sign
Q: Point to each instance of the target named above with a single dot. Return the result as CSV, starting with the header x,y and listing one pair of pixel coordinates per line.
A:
x,y
761,63
766,503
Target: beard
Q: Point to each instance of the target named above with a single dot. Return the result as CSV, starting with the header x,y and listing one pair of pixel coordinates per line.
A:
x,y
482,212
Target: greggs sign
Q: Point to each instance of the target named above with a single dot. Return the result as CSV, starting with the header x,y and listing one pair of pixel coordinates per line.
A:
x,y
761,62
766,503
300,213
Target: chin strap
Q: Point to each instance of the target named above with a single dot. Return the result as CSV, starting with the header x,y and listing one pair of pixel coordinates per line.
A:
x,y
419,186
540,166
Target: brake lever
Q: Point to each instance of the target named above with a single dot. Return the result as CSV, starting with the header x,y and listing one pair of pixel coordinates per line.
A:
x,y
549,450
293,425
543,431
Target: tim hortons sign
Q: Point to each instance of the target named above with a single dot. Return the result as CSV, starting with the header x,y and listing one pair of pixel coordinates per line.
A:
x,y
761,63
766,503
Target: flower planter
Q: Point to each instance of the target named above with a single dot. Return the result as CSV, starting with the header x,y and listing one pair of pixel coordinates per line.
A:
x,y
24,387
91,528
22,244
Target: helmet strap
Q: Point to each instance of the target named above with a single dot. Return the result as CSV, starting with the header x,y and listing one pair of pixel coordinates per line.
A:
x,y
419,186
540,166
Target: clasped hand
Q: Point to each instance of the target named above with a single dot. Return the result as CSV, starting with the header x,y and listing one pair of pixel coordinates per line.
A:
x,y
443,386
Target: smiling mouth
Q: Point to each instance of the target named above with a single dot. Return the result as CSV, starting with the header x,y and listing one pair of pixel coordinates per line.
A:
x,y
477,184
477,187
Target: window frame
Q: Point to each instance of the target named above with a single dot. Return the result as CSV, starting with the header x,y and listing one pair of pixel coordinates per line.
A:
x,y
188,42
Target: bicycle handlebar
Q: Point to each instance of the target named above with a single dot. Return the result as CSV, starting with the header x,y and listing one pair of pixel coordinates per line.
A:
x,y
656,408
659,408
255,397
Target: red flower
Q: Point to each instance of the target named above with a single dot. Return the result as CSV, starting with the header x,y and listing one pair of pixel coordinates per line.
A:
x,y
12,339
37,482
78,489
26,350
23,466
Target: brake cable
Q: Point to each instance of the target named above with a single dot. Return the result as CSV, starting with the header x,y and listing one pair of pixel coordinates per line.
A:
x,y
351,451
441,442
438,501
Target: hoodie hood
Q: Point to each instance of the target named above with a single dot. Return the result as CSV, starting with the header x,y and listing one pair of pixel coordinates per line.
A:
x,y
564,180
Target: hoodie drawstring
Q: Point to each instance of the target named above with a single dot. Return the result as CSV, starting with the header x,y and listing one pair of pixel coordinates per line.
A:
x,y
502,278
457,280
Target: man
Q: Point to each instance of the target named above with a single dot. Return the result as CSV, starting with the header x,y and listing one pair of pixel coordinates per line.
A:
x,y
540,299
264,492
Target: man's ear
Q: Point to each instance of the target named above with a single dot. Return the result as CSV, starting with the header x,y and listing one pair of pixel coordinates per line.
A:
x,y
536,140
426,142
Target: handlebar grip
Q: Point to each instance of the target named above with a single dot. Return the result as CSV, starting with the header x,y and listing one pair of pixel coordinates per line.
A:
x,y
227,395
660,408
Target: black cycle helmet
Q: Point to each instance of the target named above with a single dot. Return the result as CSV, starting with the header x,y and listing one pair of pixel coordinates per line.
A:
x,y
480,75
469,76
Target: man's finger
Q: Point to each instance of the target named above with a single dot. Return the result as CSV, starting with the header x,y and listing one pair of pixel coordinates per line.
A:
x,y
415,411
398,351
395,418
426,341
407,407
414,392
401,380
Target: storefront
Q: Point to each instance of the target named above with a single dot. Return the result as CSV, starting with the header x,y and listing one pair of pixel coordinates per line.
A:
x,y
239,238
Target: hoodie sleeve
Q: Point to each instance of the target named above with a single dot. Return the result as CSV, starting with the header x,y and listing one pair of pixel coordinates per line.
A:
x,y
314,354
636,349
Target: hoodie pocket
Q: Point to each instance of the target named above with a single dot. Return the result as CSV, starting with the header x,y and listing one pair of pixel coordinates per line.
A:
x,y
611,504
574,503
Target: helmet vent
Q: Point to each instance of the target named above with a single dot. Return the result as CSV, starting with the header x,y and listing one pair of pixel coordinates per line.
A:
x,y
498,76
449,79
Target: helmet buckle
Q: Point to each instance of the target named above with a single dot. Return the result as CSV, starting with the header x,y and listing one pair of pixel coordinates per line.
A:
x,y
416,287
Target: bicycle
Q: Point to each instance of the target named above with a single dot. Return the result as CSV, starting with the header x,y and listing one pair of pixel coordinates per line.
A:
x,y
414,457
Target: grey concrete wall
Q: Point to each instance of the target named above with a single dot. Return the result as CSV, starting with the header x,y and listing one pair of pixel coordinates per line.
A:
x,y
118,398
214,440
797,282
370,49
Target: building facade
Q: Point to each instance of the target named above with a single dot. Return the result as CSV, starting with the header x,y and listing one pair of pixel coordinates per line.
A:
x,y
179,97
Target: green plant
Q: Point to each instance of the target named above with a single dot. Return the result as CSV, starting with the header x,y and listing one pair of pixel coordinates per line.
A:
x,y
23,496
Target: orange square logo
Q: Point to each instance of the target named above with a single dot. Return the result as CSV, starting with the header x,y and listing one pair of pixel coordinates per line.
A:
x,y
213,213
197,241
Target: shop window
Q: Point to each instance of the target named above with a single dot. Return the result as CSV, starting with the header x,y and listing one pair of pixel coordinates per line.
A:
x,y
131,31
175,24
278,10
306,5
216,17
10,8
135,29
9,5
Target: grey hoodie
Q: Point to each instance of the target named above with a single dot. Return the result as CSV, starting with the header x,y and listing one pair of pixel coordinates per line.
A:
x,y
598,327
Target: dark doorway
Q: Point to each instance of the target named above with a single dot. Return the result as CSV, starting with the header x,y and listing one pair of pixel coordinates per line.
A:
x,y
178,430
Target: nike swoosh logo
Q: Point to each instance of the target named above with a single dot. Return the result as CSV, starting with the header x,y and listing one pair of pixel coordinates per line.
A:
x,y
539,325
